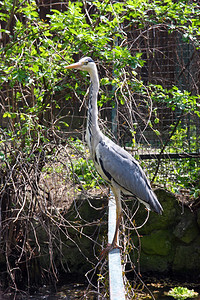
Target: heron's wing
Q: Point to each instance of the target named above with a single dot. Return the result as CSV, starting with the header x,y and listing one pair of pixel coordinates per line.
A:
x,y
119,165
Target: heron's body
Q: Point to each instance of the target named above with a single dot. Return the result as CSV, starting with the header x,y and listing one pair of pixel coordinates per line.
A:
x,y
122,172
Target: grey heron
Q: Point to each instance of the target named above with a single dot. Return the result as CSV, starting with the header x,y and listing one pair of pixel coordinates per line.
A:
x,y
118,167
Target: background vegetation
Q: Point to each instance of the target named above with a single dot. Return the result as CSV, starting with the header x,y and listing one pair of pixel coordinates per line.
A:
x,y
42,151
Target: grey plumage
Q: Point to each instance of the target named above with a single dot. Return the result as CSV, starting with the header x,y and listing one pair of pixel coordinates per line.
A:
x,y
126,172
122,172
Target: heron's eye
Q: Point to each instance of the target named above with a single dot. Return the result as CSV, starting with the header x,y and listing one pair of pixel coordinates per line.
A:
x,y
86,63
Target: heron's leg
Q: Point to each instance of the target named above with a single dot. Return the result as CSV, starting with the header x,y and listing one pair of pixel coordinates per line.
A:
x,y
117,193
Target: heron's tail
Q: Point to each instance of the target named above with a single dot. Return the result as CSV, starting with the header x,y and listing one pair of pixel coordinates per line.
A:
x,y
154,204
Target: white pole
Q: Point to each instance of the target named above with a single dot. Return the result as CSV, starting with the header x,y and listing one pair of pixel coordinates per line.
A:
x,y
116,284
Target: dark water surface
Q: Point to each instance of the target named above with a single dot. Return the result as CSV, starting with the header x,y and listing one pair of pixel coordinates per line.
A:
x,y
67,292
75,291
159,289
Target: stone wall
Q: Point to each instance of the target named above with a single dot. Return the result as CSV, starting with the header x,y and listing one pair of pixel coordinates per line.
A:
x,y
170,243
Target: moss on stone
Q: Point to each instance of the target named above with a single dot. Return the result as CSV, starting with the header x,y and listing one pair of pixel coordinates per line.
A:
x,y
187,229
187,259
157,243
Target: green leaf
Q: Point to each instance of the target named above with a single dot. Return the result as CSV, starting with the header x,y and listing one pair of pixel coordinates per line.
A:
x,y
6,115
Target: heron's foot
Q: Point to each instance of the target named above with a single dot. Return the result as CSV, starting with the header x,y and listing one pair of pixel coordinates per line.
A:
x,y
108,248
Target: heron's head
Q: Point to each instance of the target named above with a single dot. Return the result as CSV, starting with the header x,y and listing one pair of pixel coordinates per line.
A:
x,y
84,64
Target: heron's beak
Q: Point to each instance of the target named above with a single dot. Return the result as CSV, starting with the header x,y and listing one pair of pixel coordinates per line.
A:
x,y
74,66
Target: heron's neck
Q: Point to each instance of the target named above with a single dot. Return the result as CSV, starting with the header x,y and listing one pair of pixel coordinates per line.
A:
x,y
92,130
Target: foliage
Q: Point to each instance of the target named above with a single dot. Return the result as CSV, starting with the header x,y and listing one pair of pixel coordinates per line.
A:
x,y
182,293
176,99
83,169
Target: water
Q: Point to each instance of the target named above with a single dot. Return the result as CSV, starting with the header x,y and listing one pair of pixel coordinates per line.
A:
x,y
67,292
75,291
160,289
